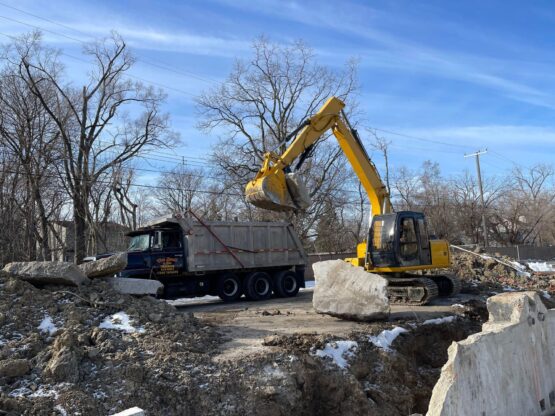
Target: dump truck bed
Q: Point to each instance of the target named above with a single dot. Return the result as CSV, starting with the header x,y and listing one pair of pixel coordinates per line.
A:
x,y
218,245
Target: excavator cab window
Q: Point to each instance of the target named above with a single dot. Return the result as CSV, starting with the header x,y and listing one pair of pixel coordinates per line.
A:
x,y
408,241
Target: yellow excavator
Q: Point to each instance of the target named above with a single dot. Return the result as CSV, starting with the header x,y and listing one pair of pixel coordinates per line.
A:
x,y
398,245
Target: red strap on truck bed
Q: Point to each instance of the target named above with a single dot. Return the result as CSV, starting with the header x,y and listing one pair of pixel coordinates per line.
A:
x,y
217,238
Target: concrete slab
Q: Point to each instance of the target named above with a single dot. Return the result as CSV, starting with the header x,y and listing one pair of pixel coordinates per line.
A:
x,y
507,369
47,272
349,292
105,267
130,286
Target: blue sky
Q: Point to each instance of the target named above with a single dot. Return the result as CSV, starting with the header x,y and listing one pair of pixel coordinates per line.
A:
x,y
469,74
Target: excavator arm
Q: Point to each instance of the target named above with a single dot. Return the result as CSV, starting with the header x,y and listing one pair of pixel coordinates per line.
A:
x,y
277,189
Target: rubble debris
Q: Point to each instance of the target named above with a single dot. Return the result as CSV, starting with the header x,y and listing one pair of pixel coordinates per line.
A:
x,y
14,368
490,372
349,292
105,267
483,273
130,286
47,272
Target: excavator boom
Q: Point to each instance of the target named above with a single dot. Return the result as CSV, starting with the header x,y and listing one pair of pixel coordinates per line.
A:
x,y
276,189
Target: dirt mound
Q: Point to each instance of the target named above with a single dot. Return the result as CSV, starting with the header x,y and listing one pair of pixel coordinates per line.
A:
x,y
91,351
94,351
481,272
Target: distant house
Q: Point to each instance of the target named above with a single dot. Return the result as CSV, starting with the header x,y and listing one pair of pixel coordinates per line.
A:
x,y
110,237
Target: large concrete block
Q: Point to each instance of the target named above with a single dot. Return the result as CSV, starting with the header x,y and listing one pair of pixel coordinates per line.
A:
x,y
47,272
105,267
349,292
507,369
130,286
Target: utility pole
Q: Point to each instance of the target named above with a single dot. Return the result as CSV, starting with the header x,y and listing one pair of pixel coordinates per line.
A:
x,y
484,227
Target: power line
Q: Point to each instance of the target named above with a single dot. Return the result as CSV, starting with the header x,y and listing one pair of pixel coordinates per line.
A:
x,y
147,62
421,138
157,84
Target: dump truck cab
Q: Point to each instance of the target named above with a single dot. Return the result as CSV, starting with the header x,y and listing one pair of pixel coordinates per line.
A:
x,y
158,251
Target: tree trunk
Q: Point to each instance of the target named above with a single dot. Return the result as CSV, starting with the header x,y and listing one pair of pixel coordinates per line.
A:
x,y
80,234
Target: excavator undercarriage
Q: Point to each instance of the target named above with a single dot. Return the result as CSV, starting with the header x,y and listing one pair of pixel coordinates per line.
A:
x,y
419,290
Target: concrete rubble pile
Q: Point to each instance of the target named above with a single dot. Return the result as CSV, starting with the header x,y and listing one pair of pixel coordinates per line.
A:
x,y
484,270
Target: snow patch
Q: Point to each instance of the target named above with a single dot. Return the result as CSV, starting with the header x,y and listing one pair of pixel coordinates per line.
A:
x,y
60,409
457,305
385,338
546,294
187,301
541,267
121,322
47,325
439,321
338,351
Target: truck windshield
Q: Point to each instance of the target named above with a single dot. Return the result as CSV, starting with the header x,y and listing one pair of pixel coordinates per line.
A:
x,y
139,242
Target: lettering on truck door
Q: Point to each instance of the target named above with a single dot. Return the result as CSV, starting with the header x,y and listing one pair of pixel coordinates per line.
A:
x,y
167,254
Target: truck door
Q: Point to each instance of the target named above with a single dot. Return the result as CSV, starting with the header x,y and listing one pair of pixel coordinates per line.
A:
x,y
167,254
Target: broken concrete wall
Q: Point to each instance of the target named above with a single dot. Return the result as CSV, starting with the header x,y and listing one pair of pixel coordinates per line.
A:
x,y
507,369
349,292
105,267
47,272
138,287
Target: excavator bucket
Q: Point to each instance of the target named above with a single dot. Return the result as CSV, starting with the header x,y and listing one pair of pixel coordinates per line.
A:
x,y
277,191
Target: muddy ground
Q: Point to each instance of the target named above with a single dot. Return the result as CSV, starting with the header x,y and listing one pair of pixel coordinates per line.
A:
x,y
91,351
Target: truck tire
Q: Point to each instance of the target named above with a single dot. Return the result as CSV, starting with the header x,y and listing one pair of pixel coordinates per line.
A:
x,y
285,284
229,287
258,286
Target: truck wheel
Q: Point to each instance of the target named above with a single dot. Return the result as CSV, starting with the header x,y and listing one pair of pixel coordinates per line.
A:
x,y
285,284
258,286
229,287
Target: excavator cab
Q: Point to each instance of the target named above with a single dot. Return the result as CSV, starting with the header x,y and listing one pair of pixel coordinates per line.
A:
x,y
399,240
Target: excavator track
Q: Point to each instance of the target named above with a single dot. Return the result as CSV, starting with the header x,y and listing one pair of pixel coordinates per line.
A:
x,y
411,290
448,284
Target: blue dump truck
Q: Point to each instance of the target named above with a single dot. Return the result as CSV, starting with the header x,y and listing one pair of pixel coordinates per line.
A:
x,y
192,257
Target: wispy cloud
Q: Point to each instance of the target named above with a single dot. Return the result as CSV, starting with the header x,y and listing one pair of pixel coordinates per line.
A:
x,y
401,53
489,135
138,36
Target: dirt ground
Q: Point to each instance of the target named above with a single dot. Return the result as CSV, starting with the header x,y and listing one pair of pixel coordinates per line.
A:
x,y
246,324
90,351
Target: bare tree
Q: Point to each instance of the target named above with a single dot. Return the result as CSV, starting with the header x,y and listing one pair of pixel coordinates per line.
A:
x,y
29,133
262,102
180,189
95,130
381,144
